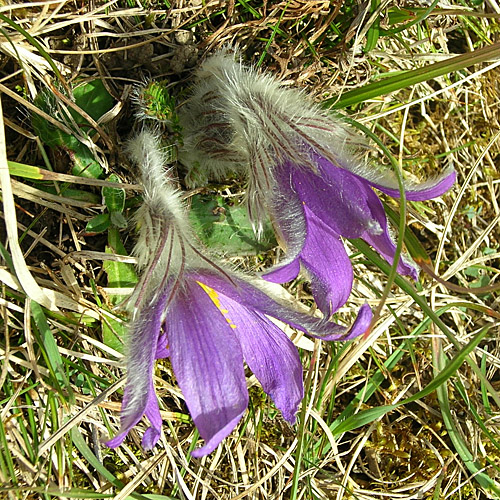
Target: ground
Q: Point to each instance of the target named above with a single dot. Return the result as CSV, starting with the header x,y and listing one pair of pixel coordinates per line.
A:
x,y
69,74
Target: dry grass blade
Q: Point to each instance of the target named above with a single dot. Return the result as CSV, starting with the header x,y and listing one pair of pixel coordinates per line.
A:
x,y
28,283
69,232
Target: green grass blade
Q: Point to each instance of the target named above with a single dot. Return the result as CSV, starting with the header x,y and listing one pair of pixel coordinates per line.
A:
x,y
475,468
35,44
299,452
73,493
412,243
273,34
368,416
374,31
375,258
418,19
6,461
409,78
49,345
26,171
89,455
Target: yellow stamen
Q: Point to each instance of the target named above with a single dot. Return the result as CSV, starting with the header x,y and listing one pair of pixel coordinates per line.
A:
x,y
214,296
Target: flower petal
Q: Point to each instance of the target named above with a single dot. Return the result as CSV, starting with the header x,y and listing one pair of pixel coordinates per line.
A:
x,y
287,214
139,396
269,353
247,292
338,199
152,411
283,273
432,188
383,242
275,361
162,350
208,363
359,326
380,239
327,264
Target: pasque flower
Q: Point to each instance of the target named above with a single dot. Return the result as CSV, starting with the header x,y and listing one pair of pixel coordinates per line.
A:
x,y
303,168
207,319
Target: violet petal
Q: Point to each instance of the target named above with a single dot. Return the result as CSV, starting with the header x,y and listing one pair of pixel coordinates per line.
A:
x,y
380,239
208,363
275,361
152,411
328,265
287,214
248,294
339,200
360,326
424,191
162,350
139,391
270,354
283,273
383,242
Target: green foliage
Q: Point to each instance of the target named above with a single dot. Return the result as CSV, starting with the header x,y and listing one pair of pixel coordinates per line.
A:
x,y
156,103
367,416
226,228
93,99
50,352
120,275
114,200
98,224
412,77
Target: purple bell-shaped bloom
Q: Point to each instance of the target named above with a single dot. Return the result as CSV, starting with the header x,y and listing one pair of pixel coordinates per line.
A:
x,y
303,169
207,319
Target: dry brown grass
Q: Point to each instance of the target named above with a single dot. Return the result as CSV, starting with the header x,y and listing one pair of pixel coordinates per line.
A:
x,y
60,379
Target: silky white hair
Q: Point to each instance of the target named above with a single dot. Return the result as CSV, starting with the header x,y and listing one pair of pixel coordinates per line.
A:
x,y
164,244
239,119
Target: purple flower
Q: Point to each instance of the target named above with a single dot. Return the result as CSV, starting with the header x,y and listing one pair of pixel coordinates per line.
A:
x,y
320,208
208,320
303,170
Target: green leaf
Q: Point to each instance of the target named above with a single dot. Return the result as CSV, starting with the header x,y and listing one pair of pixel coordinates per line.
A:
x,y
93,98
85,164
374,31
49,347
98,224
113,334
114,198
227,228
25,171
118,220
49,133
120,275
157,103
89,455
